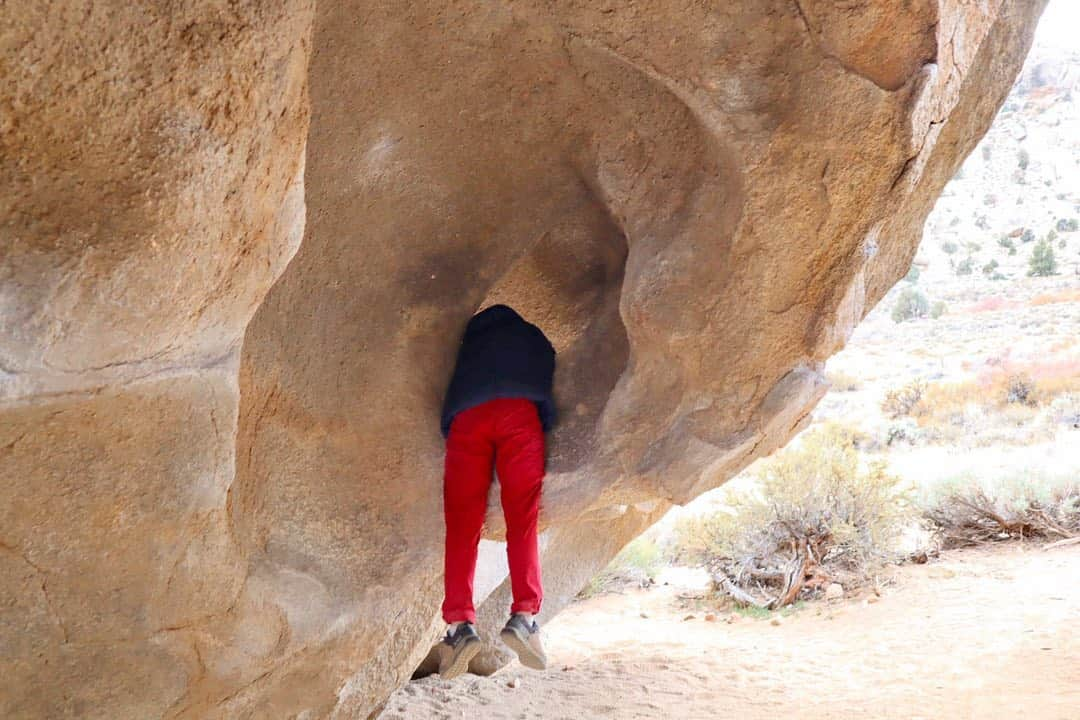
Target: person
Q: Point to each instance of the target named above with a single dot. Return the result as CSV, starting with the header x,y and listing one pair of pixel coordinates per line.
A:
x,y
497,408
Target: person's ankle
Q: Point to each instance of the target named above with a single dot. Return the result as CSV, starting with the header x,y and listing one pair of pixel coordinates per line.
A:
x,y
527,617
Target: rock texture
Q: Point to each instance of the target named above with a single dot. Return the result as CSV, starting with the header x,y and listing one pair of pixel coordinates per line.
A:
x,y
697,202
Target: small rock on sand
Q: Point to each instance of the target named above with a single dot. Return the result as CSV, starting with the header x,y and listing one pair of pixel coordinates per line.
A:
x,y
775,622
834,591
688,617
710,617
514,682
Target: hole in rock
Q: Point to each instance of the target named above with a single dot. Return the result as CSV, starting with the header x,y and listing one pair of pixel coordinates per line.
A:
x,y
568,284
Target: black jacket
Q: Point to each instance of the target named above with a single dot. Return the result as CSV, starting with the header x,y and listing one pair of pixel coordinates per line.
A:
x,y
501,356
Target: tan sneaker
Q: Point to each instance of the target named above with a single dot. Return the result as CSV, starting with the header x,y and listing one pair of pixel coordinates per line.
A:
x,y
457,649
524,639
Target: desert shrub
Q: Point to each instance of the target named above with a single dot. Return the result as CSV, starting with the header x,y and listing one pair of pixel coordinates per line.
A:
x,y
816,514
904,430
989,268
1069,225
1064,410
1020,388
910,304
949,247
965,266
973,247
842,382
938,309
912,275
990,199
967,512
987,151
1027,236
1007,242
901,401
1042,262
636,564
1023,158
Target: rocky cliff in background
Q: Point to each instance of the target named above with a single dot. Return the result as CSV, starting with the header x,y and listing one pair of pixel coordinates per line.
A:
x,y
697,203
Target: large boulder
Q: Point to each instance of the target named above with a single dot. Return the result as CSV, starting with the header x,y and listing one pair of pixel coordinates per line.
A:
x,y
697,203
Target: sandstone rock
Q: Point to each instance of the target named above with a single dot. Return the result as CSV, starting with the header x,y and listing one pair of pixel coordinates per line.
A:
x,y
834,591
698,203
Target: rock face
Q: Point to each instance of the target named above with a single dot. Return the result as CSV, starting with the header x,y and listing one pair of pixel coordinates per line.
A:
x,y
697,203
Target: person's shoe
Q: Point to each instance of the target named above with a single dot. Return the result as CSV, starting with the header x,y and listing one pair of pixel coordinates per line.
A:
x,y
524,638
457,649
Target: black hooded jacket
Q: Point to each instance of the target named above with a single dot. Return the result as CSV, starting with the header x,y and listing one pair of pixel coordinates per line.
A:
x,y
501,356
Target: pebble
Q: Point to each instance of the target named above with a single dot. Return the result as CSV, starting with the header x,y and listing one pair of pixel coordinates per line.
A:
x,y
710,617
514,682
775,622
834,591
644,615
688,617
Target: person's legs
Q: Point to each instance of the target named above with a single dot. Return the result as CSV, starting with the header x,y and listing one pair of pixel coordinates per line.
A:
x,y
519,463
469,454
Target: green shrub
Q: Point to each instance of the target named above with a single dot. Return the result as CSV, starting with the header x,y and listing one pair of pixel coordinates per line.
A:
x,y
912,275
1020,388
989,268
1042,262
909,305
949,247
1070,225
1007,242
1023,159
938,309
965,266
816,509
1027,236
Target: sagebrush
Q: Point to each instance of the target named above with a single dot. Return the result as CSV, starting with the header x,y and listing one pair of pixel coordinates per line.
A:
x,y
816,514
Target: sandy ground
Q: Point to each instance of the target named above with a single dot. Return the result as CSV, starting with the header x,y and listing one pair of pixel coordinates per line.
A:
x,y
979,634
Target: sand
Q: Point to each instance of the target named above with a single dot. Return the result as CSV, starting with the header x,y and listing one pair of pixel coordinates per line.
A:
x,y
979,634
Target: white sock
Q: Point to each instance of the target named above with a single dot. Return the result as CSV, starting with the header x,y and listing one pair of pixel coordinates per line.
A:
x,y
528,618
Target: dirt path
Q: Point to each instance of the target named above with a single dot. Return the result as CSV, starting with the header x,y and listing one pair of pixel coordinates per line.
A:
x,y
978,635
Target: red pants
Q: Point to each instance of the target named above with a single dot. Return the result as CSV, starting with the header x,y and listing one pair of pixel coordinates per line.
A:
x,y
504,435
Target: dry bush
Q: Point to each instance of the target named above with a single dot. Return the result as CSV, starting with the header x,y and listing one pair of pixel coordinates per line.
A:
x,y
968,512
1061,296
1003,390
636,564
902,401
843,382
816,515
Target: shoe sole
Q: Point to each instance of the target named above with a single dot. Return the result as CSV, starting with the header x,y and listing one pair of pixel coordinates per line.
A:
x,y
460,662
525,652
